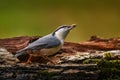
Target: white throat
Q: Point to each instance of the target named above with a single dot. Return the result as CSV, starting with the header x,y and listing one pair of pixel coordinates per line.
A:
x,y
61,35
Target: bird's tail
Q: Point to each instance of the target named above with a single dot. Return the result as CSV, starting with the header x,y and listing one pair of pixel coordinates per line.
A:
x,y
22,55
19,53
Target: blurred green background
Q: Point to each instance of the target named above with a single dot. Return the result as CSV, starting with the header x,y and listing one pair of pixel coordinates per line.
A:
x,y
40,17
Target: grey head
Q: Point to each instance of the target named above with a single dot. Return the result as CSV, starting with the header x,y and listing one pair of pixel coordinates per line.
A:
x,y
62,31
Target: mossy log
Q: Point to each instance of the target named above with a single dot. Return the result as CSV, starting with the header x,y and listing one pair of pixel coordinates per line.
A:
x,y
91,46
75,60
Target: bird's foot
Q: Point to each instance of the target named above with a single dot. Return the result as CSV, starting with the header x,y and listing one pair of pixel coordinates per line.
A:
x,y
50,61
28,61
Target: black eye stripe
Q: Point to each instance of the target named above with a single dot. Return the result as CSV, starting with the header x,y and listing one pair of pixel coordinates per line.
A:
x,y
59,28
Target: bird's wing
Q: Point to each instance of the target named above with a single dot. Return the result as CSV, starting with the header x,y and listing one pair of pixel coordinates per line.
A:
x,y
45,42
31,47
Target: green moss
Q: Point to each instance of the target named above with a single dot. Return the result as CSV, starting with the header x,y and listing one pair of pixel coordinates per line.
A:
x,y
109,63
91,61
108,55
109,69
46,73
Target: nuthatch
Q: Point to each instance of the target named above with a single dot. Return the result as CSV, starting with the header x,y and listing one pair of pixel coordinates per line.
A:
x,y
49,44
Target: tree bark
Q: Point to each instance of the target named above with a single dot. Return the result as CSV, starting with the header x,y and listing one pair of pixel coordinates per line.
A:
x,y
71,57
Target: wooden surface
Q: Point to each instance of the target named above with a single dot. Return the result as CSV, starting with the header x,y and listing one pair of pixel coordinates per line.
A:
x,y
74,61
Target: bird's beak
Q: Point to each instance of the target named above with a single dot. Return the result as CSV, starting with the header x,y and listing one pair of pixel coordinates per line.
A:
x,y
72,26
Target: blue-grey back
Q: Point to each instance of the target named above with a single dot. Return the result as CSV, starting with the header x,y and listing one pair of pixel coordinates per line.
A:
x,y
47,41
